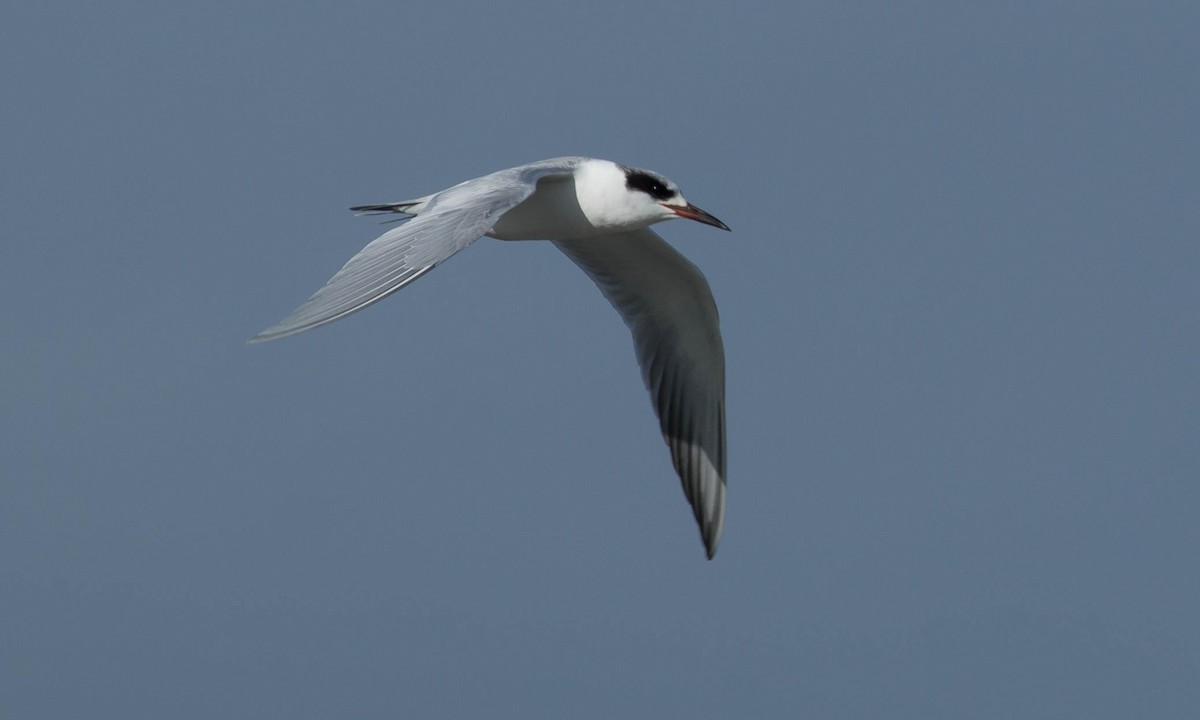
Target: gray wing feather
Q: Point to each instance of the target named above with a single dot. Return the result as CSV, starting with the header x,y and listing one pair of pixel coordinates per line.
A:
x,y
453,219
669,308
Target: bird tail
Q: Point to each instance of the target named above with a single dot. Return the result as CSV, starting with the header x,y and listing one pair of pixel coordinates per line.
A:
x,y
404,207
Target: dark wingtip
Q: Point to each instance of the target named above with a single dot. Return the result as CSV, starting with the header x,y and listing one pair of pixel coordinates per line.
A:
x,y
710,547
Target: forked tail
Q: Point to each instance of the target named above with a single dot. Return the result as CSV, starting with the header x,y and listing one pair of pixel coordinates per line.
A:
x,y
404,207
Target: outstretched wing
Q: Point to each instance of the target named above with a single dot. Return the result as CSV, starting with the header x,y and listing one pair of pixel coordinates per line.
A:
x,y
452,220
667,304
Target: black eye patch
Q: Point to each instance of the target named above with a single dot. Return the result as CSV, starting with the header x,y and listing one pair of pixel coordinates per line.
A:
x,y
647,183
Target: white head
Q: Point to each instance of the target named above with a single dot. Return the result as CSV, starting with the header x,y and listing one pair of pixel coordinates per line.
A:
x,y
624,198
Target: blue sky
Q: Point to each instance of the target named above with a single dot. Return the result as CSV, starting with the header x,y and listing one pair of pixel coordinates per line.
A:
x,y
959,308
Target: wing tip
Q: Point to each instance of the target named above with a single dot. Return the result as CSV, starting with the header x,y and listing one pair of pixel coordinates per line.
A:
x,y
275,332
284,329
704,488
261,338
710,532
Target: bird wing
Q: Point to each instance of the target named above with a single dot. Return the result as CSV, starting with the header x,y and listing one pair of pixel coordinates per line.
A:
x,y
668,306
452,220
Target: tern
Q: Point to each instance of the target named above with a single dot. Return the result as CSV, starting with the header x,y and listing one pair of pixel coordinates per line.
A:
x,y
599,214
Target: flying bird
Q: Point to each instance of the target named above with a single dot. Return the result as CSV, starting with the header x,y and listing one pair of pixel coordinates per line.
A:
x,y
599,214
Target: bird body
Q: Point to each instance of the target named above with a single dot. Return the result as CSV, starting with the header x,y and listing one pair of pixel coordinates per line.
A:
x,y
598,213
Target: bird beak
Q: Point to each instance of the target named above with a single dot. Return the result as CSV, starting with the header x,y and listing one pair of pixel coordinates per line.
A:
x,y
691,212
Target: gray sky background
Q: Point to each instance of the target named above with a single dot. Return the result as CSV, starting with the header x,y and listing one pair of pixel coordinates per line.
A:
x,y
960,311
